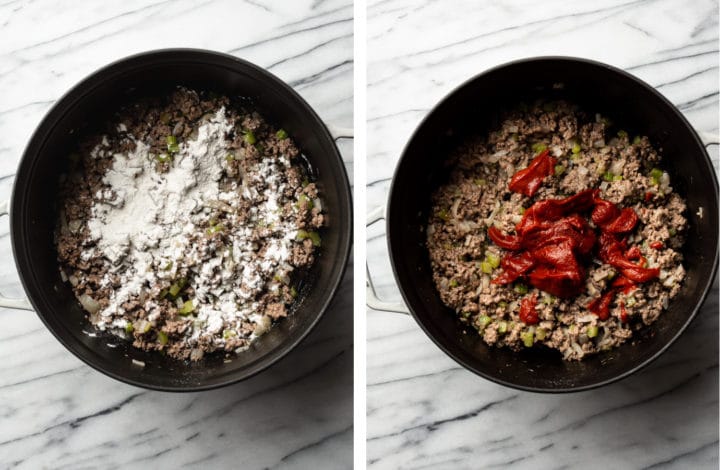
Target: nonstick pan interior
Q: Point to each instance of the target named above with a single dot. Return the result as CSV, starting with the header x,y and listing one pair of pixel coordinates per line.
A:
x,y
33,212
475,108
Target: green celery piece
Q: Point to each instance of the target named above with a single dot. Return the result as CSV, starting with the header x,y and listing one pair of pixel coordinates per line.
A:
x,y
521,288
281,134
493,259
315,237
308,202
538,147
162,337
187,308
483,321
592,331
527,338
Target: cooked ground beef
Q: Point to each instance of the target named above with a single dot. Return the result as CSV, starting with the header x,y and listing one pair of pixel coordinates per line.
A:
x,y
476,197
211,294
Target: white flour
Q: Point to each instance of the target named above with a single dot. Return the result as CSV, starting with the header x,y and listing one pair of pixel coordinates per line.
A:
x,y
147,225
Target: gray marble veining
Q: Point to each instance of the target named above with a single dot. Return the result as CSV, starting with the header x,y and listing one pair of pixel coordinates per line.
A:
x,y
424,410
55,412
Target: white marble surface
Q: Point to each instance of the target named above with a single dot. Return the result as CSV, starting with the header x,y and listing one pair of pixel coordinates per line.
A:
x,y
56,412
424,411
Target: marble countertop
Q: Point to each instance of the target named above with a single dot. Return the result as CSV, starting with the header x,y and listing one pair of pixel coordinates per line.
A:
x,y
424,410
55,412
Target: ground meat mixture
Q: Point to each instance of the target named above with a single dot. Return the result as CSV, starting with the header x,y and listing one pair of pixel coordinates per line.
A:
x,y
589,157
184,222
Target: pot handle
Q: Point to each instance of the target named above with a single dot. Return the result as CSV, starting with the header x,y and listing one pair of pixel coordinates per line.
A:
x,y
338,132
372,299
709,138
18,304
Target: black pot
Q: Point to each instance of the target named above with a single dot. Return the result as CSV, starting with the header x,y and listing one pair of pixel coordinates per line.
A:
x,y
474,108
33,216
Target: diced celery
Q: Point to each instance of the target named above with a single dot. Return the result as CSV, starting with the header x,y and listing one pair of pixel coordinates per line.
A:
x,y
250,137
176,287
521,211
281,134
672,232
559,170
617,178
548,299
293,292
453,283
308,202
521,288
576,149
187,308
230,157
637,140
215,229
630,301
592,331
227,334
527,338
503,305
129,328
493,259
315,237
607,176
486,267
480,182
162,337
622,134
538,147
442,213
540,334
656,173
483,321
164,157
502,327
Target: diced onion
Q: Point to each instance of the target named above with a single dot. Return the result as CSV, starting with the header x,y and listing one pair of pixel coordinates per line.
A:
x,y
196,354
616,167
89,304
454,208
